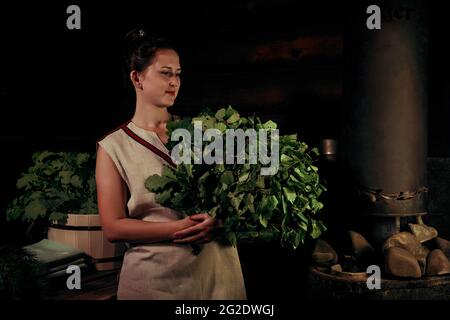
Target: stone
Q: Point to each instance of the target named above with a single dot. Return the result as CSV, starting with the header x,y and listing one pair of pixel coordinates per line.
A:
x,y
323,254
361,248
401,263
336,268
444,245
409,242
438,263
323,258
323,269
423,232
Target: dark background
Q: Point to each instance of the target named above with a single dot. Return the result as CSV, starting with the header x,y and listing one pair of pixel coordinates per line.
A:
x,y
62,89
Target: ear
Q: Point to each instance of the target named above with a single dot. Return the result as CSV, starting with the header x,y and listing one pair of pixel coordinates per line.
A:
x,y
135,79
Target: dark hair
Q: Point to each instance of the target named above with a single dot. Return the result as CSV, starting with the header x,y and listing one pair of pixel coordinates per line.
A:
x,y
140,49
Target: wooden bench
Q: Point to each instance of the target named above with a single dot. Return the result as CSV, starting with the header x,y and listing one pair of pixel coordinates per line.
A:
x,y
95,285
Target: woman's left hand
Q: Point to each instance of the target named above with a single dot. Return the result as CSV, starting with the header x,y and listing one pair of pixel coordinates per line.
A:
x,y
207,229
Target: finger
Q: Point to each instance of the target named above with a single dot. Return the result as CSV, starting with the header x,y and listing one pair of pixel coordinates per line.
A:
x,y
213,234
188,231
199,216
194,238
196,218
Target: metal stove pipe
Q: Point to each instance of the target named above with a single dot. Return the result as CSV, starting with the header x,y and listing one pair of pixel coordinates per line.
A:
x,y
384,139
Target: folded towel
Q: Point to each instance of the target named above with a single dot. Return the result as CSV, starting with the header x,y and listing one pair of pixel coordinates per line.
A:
x,y
54,254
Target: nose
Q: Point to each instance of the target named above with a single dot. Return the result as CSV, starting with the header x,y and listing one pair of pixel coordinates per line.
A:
x,y
174,82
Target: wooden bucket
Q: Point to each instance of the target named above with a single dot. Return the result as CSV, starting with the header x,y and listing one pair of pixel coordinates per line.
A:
x,y
84,232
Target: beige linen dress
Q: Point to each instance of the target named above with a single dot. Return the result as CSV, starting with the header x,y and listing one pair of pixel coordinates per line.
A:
x,y
166,270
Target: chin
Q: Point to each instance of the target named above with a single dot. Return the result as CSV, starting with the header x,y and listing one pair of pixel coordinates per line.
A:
x,y
168,105
165,105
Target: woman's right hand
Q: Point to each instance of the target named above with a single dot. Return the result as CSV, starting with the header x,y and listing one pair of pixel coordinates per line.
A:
x,y
206,229
184,223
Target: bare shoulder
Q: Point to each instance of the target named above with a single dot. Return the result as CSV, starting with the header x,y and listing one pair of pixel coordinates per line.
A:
x,y
104,163
110,185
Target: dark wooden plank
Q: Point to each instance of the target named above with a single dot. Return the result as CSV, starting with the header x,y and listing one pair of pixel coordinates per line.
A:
x,y
100,285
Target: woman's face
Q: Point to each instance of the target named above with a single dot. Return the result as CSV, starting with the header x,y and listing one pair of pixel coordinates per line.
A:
x,y
161,80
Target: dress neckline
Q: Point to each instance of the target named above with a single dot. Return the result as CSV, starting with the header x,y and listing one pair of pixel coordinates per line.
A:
x,y
145,131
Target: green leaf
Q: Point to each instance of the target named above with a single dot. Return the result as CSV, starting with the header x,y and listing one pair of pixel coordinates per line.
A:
x,y
260,182
220,168
65,176
14,212
168,173
26,180
36,195
227,178
229,112
189,170
284,204
317,228
236,201
284,158
294,179
263,221
290,194
270,125
163,197
248,201
81,158
155,183
272,203
220,114
244,176
233,118
290,138
232,239
58,216
204,177
177,199
301,216
76,181
266,235
34,209
221,126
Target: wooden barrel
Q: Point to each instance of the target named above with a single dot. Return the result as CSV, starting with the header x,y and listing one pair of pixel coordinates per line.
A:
x,y
84,232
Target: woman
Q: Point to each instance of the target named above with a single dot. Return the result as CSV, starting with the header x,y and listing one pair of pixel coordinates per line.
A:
x,y
159,263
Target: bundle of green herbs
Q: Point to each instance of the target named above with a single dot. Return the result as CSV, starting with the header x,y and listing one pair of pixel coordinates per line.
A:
x,y
280,206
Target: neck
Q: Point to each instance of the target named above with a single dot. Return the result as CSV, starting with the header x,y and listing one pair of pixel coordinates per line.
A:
x,y
149,116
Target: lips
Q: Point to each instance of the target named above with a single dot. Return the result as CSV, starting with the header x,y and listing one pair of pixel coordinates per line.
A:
x,y
172,93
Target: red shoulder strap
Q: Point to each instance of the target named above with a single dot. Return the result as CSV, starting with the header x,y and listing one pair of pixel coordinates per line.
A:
x,y
148,145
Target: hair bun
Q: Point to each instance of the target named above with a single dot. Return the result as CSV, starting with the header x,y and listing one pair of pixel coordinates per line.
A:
x,y
135,35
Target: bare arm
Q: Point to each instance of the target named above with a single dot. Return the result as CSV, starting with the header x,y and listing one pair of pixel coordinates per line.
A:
x,y
111,193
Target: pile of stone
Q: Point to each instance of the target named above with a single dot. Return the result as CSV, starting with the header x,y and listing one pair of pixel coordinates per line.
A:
x,y
407,254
